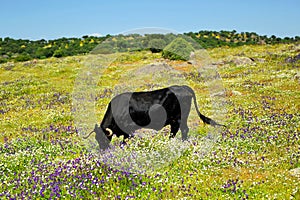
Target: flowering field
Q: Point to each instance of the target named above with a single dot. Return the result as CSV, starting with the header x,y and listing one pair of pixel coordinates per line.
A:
x,y
255,157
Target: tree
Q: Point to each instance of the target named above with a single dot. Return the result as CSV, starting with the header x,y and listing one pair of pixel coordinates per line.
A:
x,y
156,45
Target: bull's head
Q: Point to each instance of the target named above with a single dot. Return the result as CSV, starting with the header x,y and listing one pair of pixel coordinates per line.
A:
x,y
103,137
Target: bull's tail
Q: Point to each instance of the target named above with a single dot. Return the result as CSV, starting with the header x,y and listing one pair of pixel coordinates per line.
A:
x,y
205,119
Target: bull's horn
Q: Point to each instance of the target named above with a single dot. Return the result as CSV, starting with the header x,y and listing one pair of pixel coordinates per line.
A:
x,y
86,136
110,131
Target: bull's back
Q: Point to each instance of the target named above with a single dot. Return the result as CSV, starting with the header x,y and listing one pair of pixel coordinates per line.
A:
x,y
167,104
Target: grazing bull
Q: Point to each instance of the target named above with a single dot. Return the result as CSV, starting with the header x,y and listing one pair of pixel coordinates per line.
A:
x,y
128,112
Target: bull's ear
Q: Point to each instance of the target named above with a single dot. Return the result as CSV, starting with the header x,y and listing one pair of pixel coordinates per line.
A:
x,y
96,126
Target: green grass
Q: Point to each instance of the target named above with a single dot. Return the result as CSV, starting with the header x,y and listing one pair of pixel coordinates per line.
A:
x,y
42,156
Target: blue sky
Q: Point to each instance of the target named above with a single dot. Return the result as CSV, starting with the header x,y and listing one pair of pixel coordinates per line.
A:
x,y
50,19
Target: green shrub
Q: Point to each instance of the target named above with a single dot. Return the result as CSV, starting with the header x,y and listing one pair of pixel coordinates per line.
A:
x,y
60,53
104,48
3,60
23,57
178,49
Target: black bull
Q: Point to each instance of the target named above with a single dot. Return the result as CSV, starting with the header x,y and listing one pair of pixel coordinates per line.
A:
x,y
128,112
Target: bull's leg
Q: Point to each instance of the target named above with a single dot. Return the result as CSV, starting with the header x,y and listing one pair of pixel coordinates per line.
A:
x,y
184,128
174,129
184,132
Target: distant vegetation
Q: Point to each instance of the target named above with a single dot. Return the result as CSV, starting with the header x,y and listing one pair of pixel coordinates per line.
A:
x,y
18,50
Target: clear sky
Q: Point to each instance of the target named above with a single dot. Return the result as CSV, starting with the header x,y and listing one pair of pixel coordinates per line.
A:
x,y
50,19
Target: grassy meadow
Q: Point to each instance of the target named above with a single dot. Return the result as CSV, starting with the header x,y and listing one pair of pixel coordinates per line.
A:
x,y
257,156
